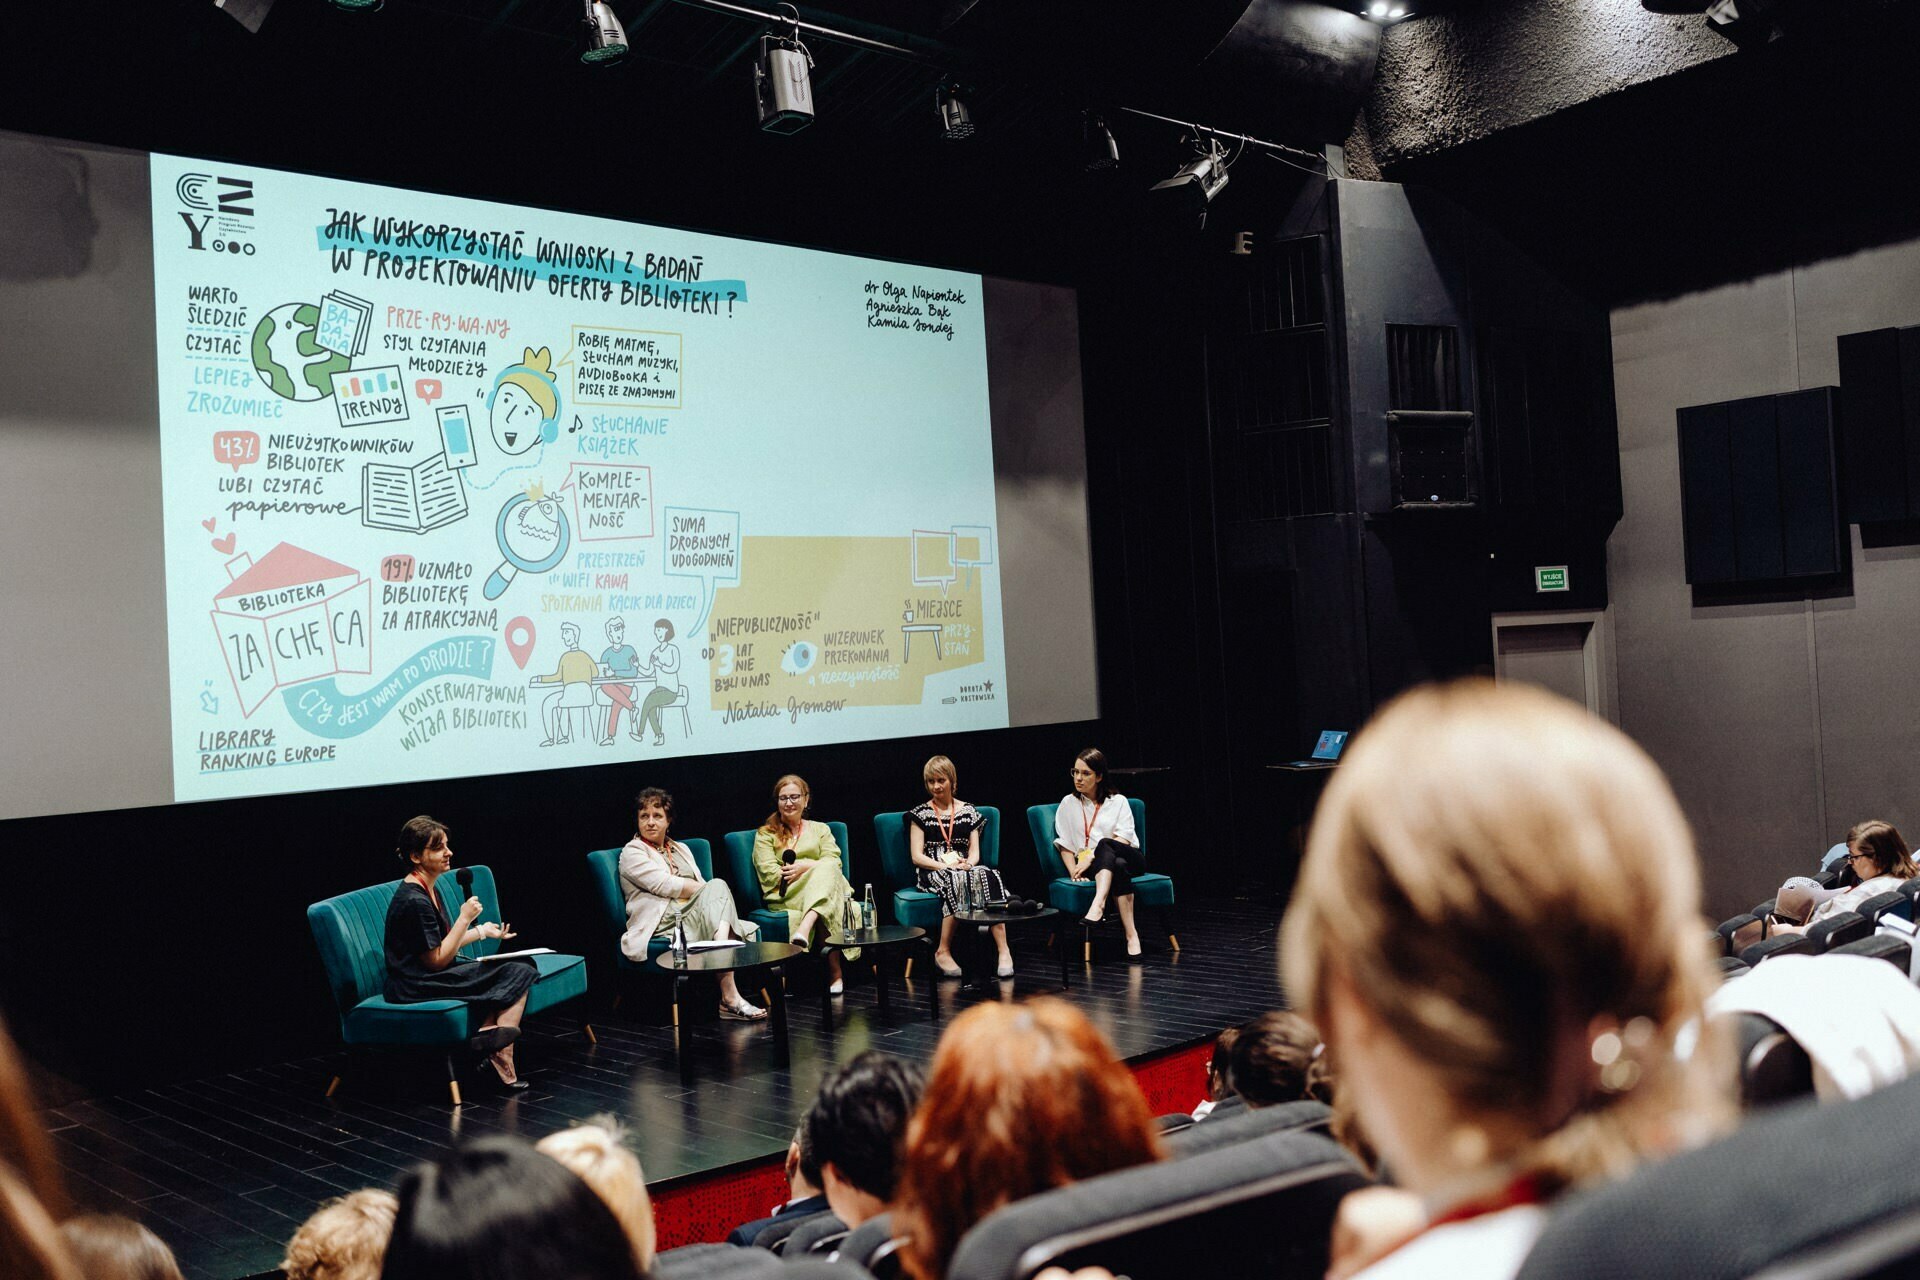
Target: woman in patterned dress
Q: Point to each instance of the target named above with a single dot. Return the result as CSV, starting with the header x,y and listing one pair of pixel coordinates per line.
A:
x,y
943,835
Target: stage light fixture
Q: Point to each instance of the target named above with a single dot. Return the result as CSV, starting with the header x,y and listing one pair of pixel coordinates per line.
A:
x,y
1098,149
604,39
248,13
956,122
783,79
1195,183
357,6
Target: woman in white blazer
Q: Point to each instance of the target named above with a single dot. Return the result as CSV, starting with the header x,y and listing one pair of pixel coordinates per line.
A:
x,y
658,874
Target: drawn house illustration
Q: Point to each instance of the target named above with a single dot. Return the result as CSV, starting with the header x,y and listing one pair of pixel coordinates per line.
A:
x,y
291,617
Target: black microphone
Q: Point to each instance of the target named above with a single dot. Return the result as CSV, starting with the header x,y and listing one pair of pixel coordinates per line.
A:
x,y
787,857
464,878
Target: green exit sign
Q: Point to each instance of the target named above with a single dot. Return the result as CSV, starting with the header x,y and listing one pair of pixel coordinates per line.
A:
x,y
1550,577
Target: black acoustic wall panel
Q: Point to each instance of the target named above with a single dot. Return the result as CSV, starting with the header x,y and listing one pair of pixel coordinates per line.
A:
x,y
1880,440
1758,491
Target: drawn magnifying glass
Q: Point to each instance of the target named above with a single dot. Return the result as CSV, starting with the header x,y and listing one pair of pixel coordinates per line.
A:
x,y
533,537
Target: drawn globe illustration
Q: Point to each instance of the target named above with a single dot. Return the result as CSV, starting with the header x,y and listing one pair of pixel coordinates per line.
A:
x,y
287,357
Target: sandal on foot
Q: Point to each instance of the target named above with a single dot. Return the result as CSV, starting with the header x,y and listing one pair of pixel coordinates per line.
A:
x,y
741,1011
1004,971
839,987
515,1085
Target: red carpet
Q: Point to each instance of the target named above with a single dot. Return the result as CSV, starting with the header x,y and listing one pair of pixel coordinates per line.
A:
x,y
704,1209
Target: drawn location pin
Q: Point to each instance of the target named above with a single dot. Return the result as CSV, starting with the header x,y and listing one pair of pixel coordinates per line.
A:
x,y
520,640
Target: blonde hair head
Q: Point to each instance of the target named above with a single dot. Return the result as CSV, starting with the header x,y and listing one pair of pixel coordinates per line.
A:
x,y
941,767
1502,878
345,1239
594,1152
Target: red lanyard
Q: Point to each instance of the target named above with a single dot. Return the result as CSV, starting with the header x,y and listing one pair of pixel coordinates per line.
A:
x,y
946,828
433,899
1087,819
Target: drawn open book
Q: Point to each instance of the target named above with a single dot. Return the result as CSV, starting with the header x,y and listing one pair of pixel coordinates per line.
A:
x,y
412,499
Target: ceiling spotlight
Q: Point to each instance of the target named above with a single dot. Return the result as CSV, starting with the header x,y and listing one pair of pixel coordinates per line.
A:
x,y
956,122
1378,9
1098,150
783,80
358,6
1195,183
605,39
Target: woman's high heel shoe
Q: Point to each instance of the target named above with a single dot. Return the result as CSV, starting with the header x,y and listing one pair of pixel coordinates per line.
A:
x,y
514,1085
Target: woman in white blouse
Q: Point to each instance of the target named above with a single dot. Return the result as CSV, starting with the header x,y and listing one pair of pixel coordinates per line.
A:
x,y
1880,862
658,874
1093,829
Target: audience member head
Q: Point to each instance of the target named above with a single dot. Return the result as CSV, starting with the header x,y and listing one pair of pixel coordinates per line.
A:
x,y
791,797
856,1127
1496,928
1021,1099
32,1195
1220,1066
595,1153
417,836
1278,1058
109,1247
803,1166
496,1209
1874,848
1090,774
31,1246
23,1143
345,1239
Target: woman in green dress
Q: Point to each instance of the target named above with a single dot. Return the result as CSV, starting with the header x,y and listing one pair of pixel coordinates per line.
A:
x,y
798,865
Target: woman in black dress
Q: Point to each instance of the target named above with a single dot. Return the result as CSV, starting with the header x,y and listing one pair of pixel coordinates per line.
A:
x,y
423,950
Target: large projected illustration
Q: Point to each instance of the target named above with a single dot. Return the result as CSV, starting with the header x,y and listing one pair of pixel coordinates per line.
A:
x,y
457,488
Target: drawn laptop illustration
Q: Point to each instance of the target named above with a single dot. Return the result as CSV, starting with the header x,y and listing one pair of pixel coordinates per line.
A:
x,y
1326,752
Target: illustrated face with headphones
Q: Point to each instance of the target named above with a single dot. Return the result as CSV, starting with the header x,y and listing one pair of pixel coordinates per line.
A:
x,y
524,408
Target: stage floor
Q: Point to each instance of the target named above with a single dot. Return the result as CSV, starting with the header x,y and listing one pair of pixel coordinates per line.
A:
x,y
225,1168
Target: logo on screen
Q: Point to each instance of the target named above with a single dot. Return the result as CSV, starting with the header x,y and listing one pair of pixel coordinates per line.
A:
x,y
214,217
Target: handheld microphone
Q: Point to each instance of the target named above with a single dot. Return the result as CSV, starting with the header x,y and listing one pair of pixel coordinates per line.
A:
x,y
464,878
787,857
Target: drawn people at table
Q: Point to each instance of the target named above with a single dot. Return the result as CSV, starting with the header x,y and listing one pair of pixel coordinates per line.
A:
x,y
663,664
524,408
574,675
619,659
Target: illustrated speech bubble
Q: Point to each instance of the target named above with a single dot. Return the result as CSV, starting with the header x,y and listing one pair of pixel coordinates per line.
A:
x,y
624,366
427,390
703,545
236,448
610,500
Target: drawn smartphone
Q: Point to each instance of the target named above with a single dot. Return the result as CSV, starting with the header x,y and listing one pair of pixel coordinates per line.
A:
x,y
456,435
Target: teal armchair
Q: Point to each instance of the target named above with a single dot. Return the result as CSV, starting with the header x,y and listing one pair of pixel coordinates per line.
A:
x,y
1150,889
350,931
747,897
913,905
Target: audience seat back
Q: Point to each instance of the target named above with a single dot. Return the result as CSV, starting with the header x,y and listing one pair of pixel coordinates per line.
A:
x,y
1881,946
1773,1066
1838,929
1223,1131
867,1240
1266,1204
1780,944
1889,903
1740,932
777,1235
1811,1191
819,1233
